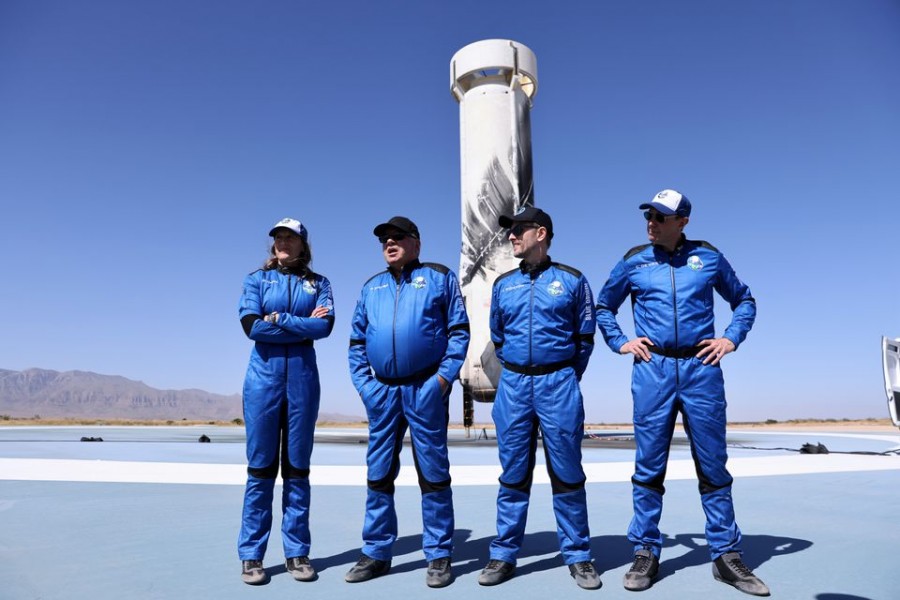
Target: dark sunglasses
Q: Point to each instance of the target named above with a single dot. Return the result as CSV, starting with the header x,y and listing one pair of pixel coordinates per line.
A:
x,y
519,228
397,237
655,216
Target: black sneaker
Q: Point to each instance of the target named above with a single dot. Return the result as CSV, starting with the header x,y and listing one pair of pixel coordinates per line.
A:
x,y
439,575
300,569
367,568
730,569
496,572
585,575
644,568
252,572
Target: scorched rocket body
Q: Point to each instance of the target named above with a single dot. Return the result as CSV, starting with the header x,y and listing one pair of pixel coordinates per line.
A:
x,y
494,82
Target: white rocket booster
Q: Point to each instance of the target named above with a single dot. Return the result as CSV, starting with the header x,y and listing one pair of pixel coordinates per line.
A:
x,y
494,82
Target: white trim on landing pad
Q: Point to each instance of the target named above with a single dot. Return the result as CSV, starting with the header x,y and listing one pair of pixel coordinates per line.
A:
x,y
34,469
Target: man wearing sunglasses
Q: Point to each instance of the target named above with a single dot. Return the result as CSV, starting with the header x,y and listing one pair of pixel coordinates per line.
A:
x,y
542,327
677,370
408,341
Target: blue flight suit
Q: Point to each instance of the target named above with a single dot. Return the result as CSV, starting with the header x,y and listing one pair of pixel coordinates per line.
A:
x,y
404,333
672,301
542,327
281,403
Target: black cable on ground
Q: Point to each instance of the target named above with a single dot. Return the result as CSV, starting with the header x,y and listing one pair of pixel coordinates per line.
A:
x,y
820,449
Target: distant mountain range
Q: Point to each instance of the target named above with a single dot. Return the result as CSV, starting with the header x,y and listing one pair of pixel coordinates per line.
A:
x,y
82,394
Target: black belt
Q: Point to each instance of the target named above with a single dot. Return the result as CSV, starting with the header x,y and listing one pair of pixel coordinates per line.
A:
x,y
689,352
539,369
414,378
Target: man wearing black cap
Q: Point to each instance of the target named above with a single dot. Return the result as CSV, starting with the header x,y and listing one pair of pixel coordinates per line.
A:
x,y
542,327
408,341
676,370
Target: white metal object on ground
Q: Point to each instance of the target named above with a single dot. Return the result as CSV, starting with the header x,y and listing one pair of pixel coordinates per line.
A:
x,y
890,355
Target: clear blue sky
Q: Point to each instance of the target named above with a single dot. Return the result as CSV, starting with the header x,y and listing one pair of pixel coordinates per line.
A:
x,y
147,147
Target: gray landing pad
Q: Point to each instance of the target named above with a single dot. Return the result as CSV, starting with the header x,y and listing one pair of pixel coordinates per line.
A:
x,y
821,528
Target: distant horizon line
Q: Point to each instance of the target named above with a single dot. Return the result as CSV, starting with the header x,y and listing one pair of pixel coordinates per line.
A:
x,y
354,421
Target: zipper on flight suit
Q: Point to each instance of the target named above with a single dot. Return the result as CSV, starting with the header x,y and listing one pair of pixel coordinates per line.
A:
x,y
674,314
394,325
290,287
531,333
531,325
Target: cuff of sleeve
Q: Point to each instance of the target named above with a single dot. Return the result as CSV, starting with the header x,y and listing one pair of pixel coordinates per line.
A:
x,y
443,372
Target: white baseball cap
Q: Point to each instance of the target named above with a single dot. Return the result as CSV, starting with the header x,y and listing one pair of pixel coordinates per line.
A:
x,y
669,202
291,225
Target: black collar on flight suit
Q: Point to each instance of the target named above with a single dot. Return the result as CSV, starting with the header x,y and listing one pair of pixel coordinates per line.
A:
x,y
535,270
677,249
407,269
301,272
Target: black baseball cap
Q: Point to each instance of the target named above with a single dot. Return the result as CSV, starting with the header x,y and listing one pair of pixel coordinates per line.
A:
x,y
528,214
400,224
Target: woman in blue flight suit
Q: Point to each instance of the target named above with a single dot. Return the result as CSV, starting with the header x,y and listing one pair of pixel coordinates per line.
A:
x,y
283,308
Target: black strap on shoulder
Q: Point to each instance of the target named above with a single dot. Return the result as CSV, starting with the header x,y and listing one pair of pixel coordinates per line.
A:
x,y
567,269
437,267
507,274
704,244
635,250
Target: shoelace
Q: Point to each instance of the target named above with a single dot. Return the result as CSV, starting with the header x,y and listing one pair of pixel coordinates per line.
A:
x,y
494,565
440,564
641,564
585,568
738,565
300,560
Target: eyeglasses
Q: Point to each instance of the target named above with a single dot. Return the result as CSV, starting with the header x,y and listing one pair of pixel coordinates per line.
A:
x,y
397,237
655,216
519,228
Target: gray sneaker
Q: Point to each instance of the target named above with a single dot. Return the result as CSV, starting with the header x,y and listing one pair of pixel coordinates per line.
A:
x,y
300,569
439,574
252,572
730,569
367,568
585,575
496,572
644,568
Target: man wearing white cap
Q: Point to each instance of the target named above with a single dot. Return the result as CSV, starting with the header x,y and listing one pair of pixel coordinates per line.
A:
x,y
677,370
